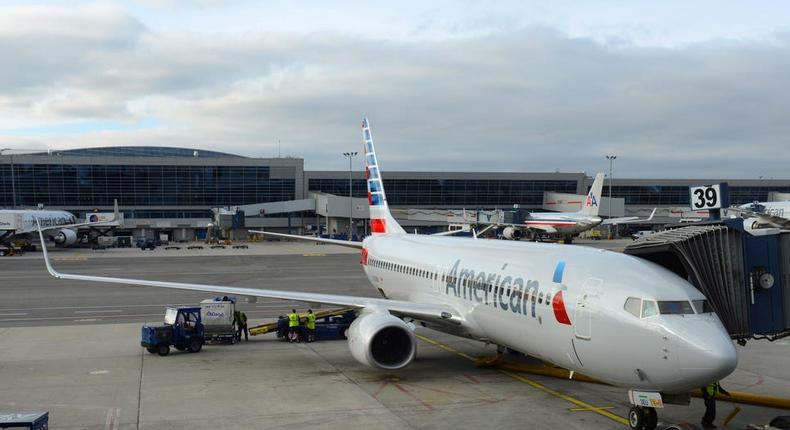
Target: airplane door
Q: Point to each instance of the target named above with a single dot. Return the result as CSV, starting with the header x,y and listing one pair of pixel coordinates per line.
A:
x,y
582,326
437,282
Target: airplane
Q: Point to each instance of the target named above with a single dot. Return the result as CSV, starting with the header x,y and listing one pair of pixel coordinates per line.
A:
x,y
60,225
764,214
567,224
617,318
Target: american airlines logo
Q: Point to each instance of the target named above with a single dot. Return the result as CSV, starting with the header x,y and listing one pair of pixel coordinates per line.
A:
x,y
591,202
505,292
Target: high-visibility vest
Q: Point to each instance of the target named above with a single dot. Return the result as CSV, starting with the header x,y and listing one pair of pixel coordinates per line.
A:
x,y
293,320
712,389
311,321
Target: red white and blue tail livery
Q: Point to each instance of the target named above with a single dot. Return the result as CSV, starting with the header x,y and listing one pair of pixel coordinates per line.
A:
x,y
381,220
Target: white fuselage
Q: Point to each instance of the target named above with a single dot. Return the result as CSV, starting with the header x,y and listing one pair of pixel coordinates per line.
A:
x,y
24,221
777,209
567,223
507,294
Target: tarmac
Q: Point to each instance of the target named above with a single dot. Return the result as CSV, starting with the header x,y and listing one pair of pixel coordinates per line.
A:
x,y
73,349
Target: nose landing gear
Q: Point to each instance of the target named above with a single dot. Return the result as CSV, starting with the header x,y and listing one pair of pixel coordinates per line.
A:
x,y
642,418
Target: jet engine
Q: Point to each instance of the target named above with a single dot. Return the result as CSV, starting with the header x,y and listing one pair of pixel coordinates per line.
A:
x,y
382,341
750,224
65,237
512,233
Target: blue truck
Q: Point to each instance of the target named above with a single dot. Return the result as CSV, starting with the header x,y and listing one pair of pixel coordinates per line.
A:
x,y
182,329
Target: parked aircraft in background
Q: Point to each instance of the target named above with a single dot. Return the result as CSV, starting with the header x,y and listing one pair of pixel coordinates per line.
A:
x,y
566,224
764,214
59,226
614,317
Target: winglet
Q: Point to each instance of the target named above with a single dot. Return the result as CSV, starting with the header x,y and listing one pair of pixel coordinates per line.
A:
x,y
50,269
650,218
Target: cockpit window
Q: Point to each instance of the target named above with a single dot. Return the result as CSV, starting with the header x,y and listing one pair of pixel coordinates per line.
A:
x,y
679,307
702,306
649,308
633,306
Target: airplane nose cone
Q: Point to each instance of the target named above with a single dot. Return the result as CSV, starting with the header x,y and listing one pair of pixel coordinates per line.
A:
x,y
707,354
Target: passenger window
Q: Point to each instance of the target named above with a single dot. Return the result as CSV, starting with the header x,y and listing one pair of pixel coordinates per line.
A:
x,y
633,306
702,306
679,307
649,308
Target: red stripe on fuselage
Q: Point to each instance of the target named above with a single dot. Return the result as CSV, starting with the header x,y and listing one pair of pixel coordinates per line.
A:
x,y
559,309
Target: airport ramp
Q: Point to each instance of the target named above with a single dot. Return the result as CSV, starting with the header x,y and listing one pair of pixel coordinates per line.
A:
x,y
711,258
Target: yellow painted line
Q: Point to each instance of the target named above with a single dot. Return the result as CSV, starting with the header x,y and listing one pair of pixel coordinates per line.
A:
x,y
537,385
313,254
586,409
445,347
74,258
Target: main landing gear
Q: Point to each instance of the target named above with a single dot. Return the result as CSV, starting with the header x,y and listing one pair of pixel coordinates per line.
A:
x,y
642,418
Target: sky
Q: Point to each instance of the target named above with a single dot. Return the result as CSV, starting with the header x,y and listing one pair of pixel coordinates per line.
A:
x,y
674,88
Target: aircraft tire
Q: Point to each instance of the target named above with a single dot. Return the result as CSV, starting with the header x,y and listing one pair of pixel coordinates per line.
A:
x,y
651,419
163,349
195,345
151,349
636,418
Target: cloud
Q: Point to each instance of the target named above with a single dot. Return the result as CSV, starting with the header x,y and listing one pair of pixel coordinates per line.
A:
x,y
521,99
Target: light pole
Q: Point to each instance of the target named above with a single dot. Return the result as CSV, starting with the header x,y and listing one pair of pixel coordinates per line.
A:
x,y
350,156
13,180
611,159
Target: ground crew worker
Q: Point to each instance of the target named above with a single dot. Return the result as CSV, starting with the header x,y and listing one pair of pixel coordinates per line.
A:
x,y
293,326
709,396
310,326
237,318
243,327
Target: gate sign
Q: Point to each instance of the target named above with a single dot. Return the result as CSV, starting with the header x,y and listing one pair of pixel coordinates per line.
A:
x,y
714,196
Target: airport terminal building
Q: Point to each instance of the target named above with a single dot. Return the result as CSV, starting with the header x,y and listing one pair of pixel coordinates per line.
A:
x,y
174,189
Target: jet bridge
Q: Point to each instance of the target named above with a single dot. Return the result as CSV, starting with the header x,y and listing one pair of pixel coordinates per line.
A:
x,y
744,275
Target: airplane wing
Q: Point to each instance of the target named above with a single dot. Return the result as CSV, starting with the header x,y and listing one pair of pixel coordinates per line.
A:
x,y
629,219
346,243
422,311
764,218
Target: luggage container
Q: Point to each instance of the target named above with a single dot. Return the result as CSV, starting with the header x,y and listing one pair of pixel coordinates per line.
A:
x,y
219,322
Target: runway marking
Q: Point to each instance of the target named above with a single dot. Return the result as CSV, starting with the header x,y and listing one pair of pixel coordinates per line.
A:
x,y
17,314
313,254
73,258
98,311
113,419
88,320
537,385
588,409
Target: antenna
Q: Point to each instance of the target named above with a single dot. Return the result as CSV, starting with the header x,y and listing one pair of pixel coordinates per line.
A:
x,y
278,149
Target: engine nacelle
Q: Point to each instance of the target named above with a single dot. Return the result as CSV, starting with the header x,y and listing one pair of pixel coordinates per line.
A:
x,y
750,224
382,341
65,237
512,233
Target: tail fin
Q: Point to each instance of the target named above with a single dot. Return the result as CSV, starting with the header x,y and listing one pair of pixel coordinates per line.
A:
x,y
381,220
593,200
